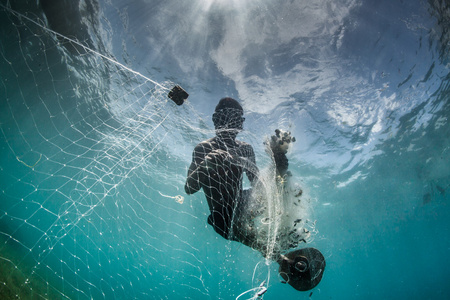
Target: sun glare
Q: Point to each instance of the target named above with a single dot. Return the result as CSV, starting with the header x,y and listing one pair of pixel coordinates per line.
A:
x,y
221,4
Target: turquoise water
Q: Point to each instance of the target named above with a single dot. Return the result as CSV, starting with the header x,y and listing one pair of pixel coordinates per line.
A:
x,y
94,155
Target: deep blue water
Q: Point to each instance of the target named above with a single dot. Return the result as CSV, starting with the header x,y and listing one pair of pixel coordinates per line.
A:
x,y
94,154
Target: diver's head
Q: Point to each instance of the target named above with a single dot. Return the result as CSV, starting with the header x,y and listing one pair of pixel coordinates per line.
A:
x,y
228,116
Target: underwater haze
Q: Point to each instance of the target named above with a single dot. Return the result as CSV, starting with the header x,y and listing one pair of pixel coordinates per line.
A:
x,y
94,155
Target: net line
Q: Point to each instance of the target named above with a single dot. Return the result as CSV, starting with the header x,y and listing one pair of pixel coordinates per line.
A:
x,y
109,159
19,15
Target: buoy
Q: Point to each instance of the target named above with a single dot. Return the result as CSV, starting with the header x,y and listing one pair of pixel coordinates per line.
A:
x,y
178,95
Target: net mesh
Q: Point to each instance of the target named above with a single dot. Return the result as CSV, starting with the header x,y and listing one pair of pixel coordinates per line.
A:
x,y
93,165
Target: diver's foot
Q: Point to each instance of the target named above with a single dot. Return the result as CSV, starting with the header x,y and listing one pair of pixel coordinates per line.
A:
x,y
303,268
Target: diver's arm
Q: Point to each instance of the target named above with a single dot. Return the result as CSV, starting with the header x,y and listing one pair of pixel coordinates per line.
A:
x,y
192,181
279,144
252,170
196,171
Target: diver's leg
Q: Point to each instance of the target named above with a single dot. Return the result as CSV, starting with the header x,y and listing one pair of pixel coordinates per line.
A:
x,y
244,229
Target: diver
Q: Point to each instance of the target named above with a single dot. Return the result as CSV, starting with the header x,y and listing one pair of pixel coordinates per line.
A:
x,y
218,165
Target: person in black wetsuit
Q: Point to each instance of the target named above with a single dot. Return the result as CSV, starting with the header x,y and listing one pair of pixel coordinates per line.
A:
x,y
218,165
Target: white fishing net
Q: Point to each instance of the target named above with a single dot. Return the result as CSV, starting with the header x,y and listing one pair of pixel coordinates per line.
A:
x,y
93,166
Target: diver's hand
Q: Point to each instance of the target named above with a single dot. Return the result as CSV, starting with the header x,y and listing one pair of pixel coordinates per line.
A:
x,y
279,145
280,142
